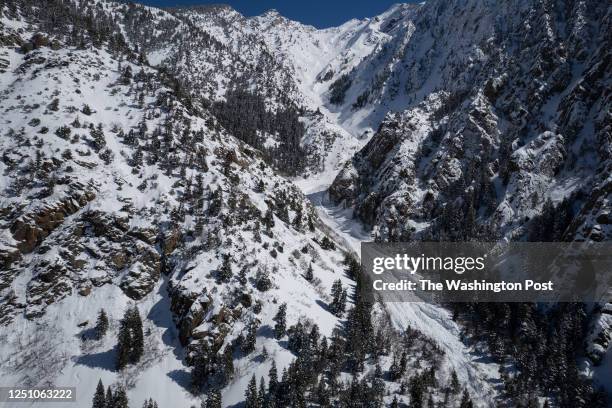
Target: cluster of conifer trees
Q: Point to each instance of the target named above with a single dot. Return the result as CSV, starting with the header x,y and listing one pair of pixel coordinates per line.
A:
x,y
315,376
244,114
115,399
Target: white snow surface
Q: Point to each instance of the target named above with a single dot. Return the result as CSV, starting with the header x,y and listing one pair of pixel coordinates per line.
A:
x,y
474,369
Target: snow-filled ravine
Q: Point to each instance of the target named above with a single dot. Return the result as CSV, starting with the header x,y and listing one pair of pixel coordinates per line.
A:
x,y
474,368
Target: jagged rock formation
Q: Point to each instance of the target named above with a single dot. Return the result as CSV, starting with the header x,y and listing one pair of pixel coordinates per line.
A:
x,y
513,117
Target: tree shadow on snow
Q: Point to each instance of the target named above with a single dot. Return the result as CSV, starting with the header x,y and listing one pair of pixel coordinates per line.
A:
x,y
258,359
323,305
161,316
104,360
182,378
87,334
266,331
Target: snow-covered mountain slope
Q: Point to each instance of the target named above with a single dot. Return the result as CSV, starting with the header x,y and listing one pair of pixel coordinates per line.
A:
x,y
119,188
144,155
504,134
113,191
300,60
509,107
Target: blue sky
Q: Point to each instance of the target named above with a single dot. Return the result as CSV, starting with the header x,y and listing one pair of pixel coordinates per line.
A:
x,y
320,13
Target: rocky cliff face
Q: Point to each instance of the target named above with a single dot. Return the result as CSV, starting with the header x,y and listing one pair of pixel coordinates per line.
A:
x,y
516,114
505,132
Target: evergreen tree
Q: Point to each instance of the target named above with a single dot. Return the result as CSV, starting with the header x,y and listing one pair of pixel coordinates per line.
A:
x,y
403,362
322,394
150,403
137,335
394,370
248,343
327,244
99,400
261,395
101,324
130,346
297,221
98,141
263,281
109,398
378,385
213,399
123,345
416,392
466,401
454,385
228,363
268,220
309,276
250,395
339,296
216,201
120,399
272,379
283,212
225,271
200,365
54,105
242,277
281,321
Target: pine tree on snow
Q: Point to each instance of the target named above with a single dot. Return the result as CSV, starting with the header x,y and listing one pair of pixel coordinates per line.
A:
x,y
309,276
150,403
339,296
101,324
281,321
123,345
268,220
200,365
120,399
322,394
137,335
297,221
261,395
454,385
109,398
130,346
225,271
272,379
99,400
242,278
378,385
394,370
213,399
228,363
250,395
342,301
248,344
263,281
466,401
